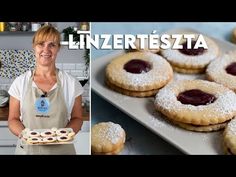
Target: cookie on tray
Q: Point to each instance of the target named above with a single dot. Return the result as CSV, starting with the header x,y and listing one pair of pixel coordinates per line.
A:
x,y
107,138
139,74
223,70
229,138
51,139
197,105
33,133
62,131
64,138
191,60
34,140
47,133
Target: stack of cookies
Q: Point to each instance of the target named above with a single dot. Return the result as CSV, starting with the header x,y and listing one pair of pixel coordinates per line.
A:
x,y
47,136
138,74
191,60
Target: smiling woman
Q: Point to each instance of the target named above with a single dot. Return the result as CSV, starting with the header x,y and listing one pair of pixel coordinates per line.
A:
x,y
61,105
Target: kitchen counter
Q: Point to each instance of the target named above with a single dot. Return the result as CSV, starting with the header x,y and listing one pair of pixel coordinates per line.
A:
x,y
5,110
4,113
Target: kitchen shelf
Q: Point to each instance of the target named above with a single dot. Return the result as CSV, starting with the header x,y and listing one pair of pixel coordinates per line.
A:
x,y
10,33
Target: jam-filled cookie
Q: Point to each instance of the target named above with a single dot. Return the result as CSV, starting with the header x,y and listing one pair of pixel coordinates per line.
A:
x,y
197,105
63,138
34,140
229,138
107,138
191,60
139,74
62,131
223,70
33,133
49,139
47,133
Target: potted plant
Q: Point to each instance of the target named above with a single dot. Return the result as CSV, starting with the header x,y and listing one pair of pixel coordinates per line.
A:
x,y
70,30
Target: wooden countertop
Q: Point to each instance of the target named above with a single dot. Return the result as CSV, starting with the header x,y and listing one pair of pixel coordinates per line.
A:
x,y
5,110
4,113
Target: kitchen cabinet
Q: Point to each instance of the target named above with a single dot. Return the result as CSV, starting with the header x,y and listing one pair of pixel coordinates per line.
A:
x,y
7,140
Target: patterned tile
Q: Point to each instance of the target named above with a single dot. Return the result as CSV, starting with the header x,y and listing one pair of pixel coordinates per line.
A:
x,y
15,62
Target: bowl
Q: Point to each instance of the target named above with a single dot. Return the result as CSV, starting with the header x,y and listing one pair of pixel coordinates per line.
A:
x,y
4,98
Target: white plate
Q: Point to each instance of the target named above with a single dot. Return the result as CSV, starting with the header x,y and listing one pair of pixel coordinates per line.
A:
x,y
142,110
24,142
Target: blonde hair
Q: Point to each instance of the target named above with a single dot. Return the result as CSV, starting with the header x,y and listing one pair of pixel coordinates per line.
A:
x,y
47,32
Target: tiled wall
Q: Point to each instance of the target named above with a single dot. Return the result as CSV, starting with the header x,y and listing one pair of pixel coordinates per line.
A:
x,y
75,69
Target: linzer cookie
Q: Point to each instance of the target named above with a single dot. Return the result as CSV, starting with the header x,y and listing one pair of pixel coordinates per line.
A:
x,y
229,138
107,138
189,59
223,70
139,74
47,136
197,105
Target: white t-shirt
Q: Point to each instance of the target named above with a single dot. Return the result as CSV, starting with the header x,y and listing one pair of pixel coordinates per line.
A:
x,y
70,86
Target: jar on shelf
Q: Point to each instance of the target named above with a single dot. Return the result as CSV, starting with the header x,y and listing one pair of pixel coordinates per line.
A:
x,y
2,26
84,26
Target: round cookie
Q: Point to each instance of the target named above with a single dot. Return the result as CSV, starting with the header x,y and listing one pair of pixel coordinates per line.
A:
x,y
33,140
233,37
138,72
62,131
107,138
191,60
229,137
197,103
63,138
223,70
33,133
49,139
47,133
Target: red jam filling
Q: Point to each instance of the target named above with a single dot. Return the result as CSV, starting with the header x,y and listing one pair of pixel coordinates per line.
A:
x,y
63,131
34,139
191,51
50,139
63,138
231,69
33,133
48,133
196,97
137,66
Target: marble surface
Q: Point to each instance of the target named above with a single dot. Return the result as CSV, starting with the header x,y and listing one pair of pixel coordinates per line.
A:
x,y
140,140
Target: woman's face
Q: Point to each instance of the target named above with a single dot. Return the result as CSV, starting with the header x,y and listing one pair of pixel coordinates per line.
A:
x,y
46,52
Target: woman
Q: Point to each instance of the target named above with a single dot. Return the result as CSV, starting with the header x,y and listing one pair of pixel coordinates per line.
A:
x,y
59,92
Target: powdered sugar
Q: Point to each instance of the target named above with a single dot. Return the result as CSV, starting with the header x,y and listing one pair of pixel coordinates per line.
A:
x,y
232,126
160,73
224,104
112,133
176,56
216,70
